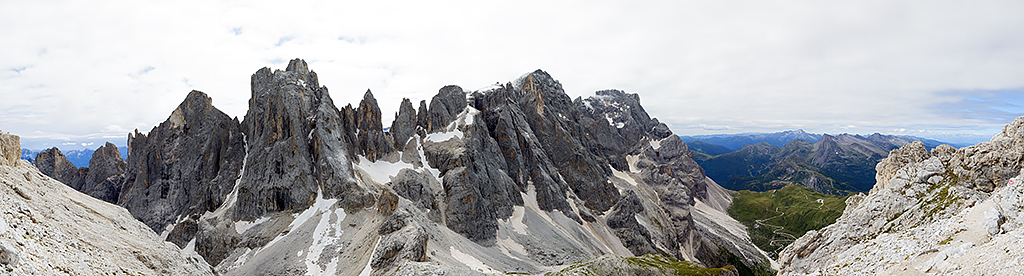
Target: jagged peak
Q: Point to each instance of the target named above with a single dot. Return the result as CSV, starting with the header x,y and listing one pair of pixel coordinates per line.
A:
x,y
298,66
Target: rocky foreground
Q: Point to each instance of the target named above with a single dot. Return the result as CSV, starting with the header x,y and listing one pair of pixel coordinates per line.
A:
x,y
948,211
48,228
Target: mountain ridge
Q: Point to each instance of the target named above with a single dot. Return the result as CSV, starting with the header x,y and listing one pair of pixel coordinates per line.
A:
x,y
835,165
513,178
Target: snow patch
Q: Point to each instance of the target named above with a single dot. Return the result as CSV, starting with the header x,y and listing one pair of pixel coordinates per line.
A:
x,y
489,88
470,261
656,144
631,160
382,171
320,206
438,137
624,176
326,233
242,225
191,246
518,226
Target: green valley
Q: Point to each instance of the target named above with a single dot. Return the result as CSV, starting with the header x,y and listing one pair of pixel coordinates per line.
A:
x,y
775,218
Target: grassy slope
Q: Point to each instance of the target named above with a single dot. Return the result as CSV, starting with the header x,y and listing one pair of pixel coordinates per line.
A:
x,y
641,265
775,218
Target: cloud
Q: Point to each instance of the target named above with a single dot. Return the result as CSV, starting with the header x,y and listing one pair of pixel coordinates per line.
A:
x,y
702,67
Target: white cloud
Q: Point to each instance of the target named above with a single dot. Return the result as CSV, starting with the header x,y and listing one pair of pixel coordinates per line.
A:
x,y
95,70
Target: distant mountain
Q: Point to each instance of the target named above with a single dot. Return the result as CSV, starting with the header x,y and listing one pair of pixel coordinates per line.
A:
x,y
736,142
80,158
707,148
833,165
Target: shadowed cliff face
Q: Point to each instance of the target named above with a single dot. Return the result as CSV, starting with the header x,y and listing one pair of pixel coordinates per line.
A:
x,y
184,166
297,142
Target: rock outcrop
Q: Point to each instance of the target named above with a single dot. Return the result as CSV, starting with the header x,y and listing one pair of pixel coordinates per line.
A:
x,y
933,212
10,149
48,228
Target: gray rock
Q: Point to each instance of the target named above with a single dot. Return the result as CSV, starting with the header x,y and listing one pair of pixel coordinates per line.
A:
x,y
526,160
555,121
184,231
416,187
215,243
8,255
622,219
993,220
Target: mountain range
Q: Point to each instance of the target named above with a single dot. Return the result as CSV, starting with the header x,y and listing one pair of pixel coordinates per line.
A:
x,y
734,142
77,157
836,165
514,178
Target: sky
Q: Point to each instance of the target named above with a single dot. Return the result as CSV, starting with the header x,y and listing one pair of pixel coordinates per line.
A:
x,y
78,73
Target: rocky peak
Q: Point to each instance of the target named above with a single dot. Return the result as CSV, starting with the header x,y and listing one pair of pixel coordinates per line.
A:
x,y
184,166
444,107
404,125
298,144
373,143
53,163
106,174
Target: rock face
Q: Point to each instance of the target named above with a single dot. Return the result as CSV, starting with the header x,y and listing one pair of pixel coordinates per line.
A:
x,y
184,166
297,145
933,212
49,228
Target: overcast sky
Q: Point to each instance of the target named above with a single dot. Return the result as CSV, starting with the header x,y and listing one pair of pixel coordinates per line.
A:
x,y
80,72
